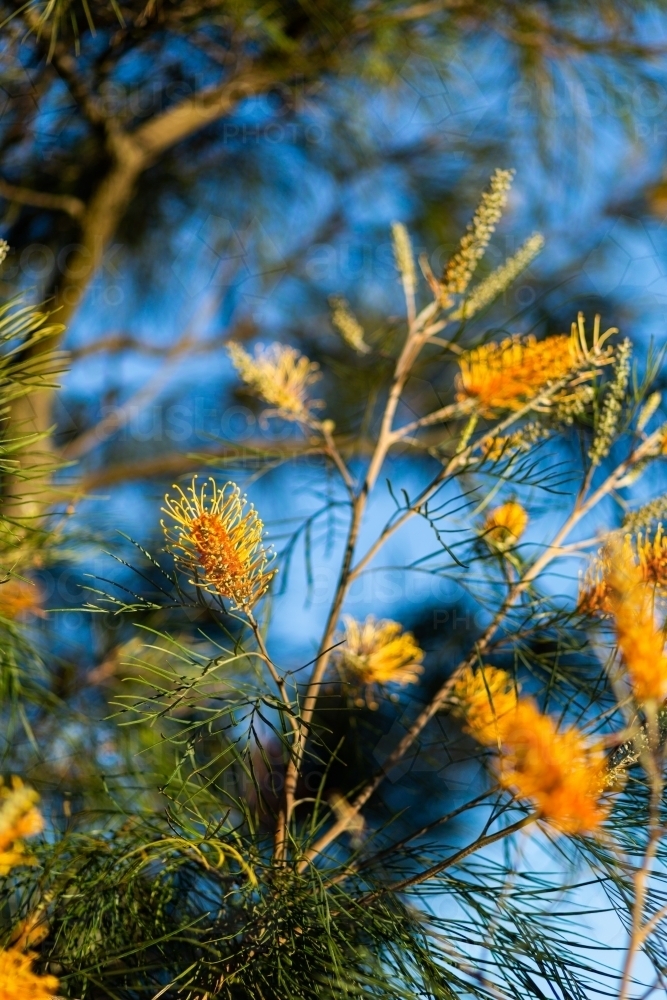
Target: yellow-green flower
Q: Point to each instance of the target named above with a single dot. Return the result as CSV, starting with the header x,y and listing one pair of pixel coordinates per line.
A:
x,y
505,525
281,376
483,699
379,653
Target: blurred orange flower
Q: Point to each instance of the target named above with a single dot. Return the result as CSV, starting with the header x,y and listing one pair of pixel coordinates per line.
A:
x,y
641,643
505,525
19,598
645,552
562,775
19,982
558,771
19,818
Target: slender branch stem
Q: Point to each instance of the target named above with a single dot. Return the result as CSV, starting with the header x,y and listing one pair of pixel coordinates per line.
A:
x,y
453,859
375,859
641,929
336,457
456,462
312,691
278,679
280,842
40,199
418,332
437,417
417,335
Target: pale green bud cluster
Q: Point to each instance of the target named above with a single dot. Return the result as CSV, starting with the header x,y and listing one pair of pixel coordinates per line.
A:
x,y
646,515
461,267
612,405
405,261
497,282
348,325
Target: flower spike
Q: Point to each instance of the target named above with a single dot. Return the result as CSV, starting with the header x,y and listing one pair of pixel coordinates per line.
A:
x,y
221,539
506,375
281,376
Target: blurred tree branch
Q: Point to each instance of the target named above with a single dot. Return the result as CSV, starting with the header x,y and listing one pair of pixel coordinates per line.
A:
x,y
118,142
41,199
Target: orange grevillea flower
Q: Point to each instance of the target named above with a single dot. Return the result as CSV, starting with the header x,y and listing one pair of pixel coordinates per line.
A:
x,y
652,556
19,818
641,644
379,653
484,698
19,598
506,375
558,771
505,525
281,376
646,552
19,982
219,541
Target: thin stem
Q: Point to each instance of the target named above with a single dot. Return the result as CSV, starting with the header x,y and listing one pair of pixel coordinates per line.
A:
x,y
278,679
457,461
375,859
336,457
640,929
418,332
280,842
437,417
453,859
312,691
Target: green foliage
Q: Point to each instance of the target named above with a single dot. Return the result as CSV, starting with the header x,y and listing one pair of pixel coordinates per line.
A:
x,y
27,365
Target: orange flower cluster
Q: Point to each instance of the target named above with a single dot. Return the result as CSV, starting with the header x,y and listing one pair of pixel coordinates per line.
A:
x,y
221,538
19,982
558,771
19,818
508,374
641,644
19,598
646,554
